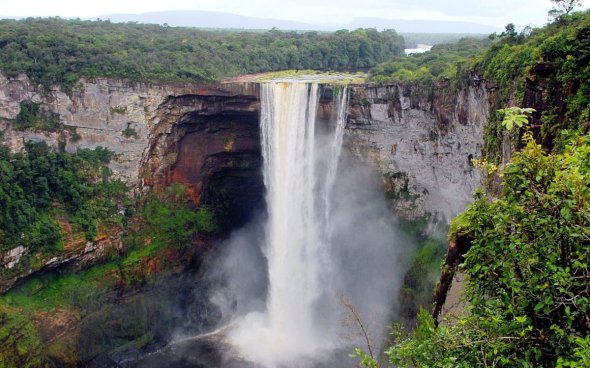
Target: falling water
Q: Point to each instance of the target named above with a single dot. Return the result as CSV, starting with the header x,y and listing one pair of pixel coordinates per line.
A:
x,y
299,176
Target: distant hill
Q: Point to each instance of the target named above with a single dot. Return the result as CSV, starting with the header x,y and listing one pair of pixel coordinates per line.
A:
x,y
205,19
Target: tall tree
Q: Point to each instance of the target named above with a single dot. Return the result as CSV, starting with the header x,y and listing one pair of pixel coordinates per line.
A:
x,y
563,7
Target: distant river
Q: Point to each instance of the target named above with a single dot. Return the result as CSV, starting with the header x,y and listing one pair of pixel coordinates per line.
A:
x,y
418,50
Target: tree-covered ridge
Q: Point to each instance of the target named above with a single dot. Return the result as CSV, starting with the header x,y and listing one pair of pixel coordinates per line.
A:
x,y
557,58
41,186
444,61
57,52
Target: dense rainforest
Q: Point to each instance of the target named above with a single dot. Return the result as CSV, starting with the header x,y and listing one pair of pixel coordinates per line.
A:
x,y
58,52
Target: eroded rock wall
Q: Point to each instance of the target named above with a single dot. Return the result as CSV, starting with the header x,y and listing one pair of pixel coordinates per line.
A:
x,y
423,145
206,137
145,126
100,111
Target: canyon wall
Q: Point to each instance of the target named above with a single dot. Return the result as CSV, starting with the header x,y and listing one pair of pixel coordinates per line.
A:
x,y
206,137
422,145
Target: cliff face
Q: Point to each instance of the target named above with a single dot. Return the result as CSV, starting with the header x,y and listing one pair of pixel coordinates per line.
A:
x,y
211,144
423,145
100,111
203,136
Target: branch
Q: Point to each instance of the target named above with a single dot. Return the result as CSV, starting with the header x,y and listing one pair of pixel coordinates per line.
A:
x,y
357,318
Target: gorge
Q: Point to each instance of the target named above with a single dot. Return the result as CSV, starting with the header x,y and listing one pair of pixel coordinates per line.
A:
x,y
207,138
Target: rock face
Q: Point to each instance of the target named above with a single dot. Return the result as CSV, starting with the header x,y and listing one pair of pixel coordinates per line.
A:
x,y
422,145
164,133
116,114
207,138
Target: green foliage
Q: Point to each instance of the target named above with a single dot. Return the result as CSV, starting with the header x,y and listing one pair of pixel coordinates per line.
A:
x,y
472,341
442,62
365,359
57,51
118,109
129,132
98,155
460,224
36,186
171,222
515,116
31,116
424,271
580,357
20,342
528,271
52,290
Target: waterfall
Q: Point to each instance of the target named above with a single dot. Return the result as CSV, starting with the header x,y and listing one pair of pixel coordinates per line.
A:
x,y
300,169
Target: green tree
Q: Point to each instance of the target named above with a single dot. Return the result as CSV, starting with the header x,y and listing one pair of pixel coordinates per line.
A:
x,y
172,221
563,8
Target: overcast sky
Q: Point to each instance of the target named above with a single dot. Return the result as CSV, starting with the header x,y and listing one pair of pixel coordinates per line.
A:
x,y
491,12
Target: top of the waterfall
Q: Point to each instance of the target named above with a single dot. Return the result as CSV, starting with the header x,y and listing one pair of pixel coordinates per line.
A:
x,y
310,76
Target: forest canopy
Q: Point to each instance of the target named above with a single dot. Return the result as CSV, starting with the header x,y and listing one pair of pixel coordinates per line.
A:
x,y
55,51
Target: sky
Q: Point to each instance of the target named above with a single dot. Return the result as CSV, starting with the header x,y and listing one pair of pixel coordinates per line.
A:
x,y
323,12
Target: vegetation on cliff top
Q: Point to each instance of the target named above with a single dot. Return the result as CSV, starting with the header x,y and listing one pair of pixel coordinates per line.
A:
x,y
556,59
443,62
58,52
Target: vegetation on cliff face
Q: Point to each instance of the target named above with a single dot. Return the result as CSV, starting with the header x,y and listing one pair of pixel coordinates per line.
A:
x,y
528,268
528,271
161,235
424,270
58,52
19,340
32,117
512,66
42,187
528,265
171,222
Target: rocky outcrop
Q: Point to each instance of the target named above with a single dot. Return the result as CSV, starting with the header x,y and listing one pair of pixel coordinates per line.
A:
x,y
211,144
207,138
19,263
421,144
